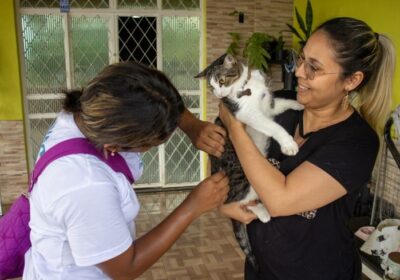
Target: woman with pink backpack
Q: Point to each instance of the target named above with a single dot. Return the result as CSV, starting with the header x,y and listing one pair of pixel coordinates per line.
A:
x,y
83,206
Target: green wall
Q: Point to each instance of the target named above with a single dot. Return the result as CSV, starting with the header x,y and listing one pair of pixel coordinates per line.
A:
x,y
10,87
383,16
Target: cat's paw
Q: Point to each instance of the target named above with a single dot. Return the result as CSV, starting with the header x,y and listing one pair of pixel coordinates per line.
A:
x,y
261,212
290,148
264,218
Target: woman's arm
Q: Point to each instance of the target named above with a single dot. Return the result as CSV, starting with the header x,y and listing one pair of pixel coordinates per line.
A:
x,y
205,136
306,188
146,250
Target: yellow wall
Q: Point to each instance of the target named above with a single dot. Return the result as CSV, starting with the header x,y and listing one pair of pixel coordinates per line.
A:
x,y
383,16
10,89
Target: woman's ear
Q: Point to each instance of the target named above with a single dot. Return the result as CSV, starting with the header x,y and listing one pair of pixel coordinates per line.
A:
x,y
353,81
109,148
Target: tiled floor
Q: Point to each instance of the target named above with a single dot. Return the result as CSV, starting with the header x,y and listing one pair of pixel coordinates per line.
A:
x,y
207,249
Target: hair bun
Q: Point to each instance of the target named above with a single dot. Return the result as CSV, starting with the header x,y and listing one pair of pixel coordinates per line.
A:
x,y
72,101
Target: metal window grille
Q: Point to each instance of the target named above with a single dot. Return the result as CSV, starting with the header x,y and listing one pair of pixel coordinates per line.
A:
x,y
65,50
85,4
138,39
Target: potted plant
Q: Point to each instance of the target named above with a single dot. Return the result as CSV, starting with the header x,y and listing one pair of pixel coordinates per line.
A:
x,y
260,49
275,47
256,52
305,25
289,61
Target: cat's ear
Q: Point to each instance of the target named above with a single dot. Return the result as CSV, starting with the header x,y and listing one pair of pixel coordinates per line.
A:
x,y
229,61
202,74
218,61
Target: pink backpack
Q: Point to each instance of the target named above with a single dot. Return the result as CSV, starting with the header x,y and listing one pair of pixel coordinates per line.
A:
x,y
14,225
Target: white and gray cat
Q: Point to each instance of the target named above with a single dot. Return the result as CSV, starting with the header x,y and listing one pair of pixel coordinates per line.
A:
x,y
245,92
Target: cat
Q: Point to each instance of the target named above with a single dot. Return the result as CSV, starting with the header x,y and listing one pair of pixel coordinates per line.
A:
x,y
245,93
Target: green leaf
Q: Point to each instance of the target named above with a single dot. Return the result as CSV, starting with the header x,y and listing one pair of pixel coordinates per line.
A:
x,y
255,52
294,31
265,53
309,18
300,21
235,36
232,49
264,64
234,45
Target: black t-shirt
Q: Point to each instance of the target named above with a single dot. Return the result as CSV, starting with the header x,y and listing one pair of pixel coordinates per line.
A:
x,y
317,244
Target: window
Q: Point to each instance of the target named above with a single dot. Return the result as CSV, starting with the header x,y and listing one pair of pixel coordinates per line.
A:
x,y
65,50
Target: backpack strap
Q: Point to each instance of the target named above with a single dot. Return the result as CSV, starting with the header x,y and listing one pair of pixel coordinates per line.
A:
x,y
78,146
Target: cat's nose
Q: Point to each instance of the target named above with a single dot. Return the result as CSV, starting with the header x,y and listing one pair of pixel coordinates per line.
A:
x,y
221,82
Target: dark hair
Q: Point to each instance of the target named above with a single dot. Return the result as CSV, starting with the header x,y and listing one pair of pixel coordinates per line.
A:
x,y
359,48
126,104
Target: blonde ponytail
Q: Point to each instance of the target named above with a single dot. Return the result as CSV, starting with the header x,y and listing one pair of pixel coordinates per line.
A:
x,y
375,97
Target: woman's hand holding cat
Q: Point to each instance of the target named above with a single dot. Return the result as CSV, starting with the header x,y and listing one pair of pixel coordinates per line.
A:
x,y
238,211
209,194
205,136
228,119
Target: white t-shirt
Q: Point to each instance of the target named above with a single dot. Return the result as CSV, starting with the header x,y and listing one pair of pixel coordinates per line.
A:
x,y
82,212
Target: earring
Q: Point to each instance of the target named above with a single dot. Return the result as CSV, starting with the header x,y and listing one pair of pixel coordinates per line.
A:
x,y
345,101
107,152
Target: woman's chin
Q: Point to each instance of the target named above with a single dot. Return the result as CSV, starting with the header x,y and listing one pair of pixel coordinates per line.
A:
x,y
302,96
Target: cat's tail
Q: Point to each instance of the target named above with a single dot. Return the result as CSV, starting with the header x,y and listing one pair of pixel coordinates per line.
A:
x,y
243,239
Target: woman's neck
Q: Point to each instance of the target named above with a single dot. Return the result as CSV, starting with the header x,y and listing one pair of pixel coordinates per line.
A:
x,y
316,119
78,123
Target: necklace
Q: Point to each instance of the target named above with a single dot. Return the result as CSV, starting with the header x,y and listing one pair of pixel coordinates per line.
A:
x,y
301,131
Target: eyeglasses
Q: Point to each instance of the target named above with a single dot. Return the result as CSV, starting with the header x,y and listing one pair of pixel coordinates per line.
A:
x,y
309,69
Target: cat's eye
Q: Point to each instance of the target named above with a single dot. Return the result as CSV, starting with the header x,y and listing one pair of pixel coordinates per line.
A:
x,y
221,82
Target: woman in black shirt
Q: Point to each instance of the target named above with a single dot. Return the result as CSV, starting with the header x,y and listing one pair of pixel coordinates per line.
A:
x,y
311,196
